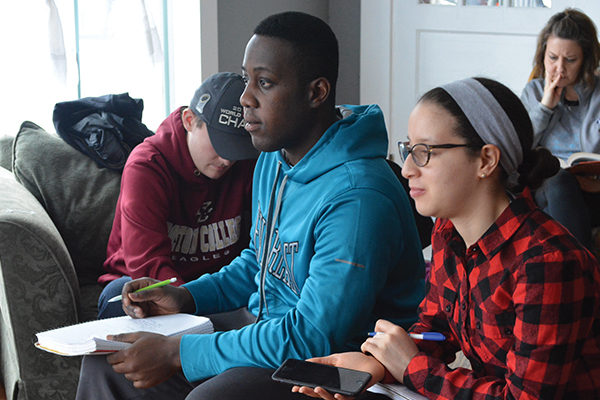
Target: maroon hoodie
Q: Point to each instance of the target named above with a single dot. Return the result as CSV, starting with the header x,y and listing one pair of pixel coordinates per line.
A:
x,y
172,221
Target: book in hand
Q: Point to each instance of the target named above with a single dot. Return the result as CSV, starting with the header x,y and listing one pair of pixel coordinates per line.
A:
x,y
586,168
579,157
90,337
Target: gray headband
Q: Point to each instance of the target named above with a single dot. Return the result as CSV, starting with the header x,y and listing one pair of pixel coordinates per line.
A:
x,y
490,122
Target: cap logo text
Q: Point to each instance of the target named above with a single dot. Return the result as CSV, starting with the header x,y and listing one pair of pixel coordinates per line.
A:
x,y
232,117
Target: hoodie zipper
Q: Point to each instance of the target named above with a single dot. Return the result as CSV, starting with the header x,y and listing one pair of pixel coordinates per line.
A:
x,y
272,215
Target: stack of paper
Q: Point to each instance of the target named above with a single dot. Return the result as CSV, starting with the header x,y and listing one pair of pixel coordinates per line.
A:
x,y
90,337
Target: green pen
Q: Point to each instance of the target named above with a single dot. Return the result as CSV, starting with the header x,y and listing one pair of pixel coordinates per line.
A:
x,y
154,285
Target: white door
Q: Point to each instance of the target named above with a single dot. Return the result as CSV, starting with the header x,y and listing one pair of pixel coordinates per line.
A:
x,y
408,48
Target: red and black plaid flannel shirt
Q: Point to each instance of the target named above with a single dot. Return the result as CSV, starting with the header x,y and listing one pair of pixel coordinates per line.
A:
x,y
523,304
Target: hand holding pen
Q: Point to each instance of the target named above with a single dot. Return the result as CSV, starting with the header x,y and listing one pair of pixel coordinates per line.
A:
x,y
154,285
392,346
433,336
141,301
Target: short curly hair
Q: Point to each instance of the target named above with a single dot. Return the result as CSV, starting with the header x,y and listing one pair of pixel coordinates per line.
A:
x,y
315,45
574,25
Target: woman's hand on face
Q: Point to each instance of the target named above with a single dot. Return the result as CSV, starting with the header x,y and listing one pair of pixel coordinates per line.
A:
x,y
392,347
352,360
552,92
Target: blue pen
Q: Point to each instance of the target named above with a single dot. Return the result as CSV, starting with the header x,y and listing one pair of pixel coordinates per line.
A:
x,y
434,336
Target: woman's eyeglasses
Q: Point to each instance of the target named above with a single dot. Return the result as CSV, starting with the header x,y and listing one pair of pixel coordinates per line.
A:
x,y
421,152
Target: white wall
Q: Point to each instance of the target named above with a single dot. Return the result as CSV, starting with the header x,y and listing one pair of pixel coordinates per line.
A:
x,y
409,48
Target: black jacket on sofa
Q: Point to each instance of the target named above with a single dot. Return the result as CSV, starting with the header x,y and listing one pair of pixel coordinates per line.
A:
x,y
104,128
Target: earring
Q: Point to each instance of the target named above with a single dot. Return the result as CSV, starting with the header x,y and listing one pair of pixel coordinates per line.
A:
x,y
483,176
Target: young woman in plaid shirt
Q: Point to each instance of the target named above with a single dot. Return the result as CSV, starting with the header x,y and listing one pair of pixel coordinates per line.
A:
x,y
509,286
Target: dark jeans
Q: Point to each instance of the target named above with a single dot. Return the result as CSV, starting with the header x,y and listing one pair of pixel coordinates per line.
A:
x,y
243,383
114,309
97,380
561,197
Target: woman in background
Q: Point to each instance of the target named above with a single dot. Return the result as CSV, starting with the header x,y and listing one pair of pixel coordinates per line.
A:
x,y
563,102
509,286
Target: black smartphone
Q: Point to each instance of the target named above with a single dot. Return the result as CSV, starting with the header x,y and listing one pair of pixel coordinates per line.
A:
x,y
346,381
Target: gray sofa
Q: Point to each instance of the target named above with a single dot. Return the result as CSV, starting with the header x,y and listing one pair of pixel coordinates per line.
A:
x,y
56,212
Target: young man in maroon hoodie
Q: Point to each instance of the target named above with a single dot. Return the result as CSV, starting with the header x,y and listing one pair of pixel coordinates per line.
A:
x,y
185,202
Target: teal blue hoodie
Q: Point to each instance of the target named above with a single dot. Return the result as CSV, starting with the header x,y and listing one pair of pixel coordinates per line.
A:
x,y
337,240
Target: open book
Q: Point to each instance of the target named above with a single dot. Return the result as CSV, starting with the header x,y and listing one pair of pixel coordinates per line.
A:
x,y
90,337
579,157
586,168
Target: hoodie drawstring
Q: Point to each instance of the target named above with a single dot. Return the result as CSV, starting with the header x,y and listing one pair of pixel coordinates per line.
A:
x,y
272,216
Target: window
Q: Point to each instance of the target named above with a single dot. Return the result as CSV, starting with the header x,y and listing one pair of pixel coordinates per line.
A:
x,y
61,50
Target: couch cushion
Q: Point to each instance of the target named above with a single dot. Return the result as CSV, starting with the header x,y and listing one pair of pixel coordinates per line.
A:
x,y
6,144
79,197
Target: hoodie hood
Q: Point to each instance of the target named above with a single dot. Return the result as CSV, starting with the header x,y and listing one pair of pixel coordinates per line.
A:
x,y
171,142
361,133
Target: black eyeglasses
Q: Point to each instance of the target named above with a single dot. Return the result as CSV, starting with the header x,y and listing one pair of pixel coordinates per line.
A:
x,y
421,152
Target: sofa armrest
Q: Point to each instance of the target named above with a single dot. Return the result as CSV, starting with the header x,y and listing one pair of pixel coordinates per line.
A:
x,y
38,291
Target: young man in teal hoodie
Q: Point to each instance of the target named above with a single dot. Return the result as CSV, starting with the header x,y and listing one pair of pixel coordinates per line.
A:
x,y
333,244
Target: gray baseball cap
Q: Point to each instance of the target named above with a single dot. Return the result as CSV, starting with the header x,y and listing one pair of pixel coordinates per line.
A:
x,y
217,103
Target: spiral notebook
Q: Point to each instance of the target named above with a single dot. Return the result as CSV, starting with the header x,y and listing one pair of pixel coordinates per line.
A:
x,y
90,337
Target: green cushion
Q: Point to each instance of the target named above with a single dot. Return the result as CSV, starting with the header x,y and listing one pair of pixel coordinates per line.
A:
x,y
79,196
6,144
